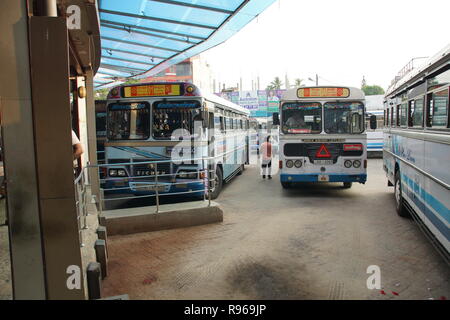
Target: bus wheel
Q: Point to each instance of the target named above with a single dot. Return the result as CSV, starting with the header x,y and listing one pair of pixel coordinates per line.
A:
x,y
217,183
347,185
286,185
399,207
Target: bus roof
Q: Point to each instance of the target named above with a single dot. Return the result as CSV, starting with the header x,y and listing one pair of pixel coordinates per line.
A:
x,y
331,93
428,67
197,92
226,103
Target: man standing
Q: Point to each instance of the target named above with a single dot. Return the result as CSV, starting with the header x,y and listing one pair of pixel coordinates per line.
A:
x,y
266,152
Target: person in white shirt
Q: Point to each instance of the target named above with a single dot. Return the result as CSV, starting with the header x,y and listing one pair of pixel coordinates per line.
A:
x,y
76,146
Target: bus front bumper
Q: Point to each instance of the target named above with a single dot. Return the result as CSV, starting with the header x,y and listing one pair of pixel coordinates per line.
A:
x,y
361,178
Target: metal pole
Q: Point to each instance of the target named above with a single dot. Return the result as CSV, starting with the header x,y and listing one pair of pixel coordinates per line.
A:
x,y
156,187
317,80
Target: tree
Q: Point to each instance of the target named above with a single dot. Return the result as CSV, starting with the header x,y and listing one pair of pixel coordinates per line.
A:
x,y
372,90
276,84
298,82
101,94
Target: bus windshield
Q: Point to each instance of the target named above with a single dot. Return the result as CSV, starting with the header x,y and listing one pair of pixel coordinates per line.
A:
x,y
128,121
302,117
344,117
169,116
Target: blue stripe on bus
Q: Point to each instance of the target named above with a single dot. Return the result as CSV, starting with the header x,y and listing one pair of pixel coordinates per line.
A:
x,y
434,203
438,224
332,177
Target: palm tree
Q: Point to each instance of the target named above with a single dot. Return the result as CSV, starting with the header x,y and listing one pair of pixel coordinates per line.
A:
x,y
298,82
276,84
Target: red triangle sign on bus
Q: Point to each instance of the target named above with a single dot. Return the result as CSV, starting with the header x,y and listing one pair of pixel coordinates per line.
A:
x,y
323,152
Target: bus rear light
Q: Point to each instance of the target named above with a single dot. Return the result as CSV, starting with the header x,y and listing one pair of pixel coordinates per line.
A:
x,y
298,163
202,175
280,164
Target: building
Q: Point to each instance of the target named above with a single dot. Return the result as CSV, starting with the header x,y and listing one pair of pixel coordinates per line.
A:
x,y
195,70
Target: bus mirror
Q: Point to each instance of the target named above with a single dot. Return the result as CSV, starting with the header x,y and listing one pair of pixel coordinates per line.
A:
x,y
275,119
373,122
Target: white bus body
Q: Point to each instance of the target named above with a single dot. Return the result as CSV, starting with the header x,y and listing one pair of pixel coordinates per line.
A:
x,y
417,147
322,136
172,123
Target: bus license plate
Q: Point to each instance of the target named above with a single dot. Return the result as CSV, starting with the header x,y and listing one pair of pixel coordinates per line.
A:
x,y
323,178
322,162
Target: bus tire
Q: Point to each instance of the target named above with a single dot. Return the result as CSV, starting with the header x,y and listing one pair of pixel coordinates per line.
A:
x,y
241,169
399,206
286,185
218,183
347,185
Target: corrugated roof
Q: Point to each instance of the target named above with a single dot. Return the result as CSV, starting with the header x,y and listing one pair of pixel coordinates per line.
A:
x,y
141,38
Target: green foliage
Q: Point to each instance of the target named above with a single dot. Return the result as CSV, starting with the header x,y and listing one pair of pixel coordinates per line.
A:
x,y
276,84
298,82
372,90
101,94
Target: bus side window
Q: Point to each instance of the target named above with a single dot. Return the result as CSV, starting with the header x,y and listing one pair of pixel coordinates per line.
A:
x,y
410,113
222,124
387,117
397,116
392,123
439,107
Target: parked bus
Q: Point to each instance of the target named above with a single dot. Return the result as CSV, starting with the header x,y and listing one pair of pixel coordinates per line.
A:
x,y
322,136
173,123
374,136
417,147
100,127
374,108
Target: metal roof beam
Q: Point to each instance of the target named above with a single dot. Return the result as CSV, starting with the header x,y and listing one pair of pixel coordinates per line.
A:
x,y
196,6
139,16
136,54
128,60
140,44
131,27
146,33
110,74
126,69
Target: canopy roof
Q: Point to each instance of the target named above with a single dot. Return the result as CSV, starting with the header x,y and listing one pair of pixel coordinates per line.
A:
x,y
140,38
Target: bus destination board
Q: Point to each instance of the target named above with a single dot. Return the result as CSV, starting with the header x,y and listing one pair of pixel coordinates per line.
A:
x,y
152,90
323,92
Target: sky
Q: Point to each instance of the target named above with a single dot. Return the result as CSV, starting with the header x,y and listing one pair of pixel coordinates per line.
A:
x,y
341,41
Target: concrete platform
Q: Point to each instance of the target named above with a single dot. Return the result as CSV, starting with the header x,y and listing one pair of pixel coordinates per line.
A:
x,y
170,216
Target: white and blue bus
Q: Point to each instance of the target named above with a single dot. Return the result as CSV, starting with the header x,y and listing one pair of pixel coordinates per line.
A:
x,y
322,136
417,147
177,126
374,136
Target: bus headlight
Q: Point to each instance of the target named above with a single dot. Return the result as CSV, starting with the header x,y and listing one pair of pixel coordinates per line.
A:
x,y
113,172
121,173
298,163
289,163
347,163
357,163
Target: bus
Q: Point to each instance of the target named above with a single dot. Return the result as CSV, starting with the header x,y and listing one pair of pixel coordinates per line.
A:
x,y
322,136
177,125
100,127
416,152
374,136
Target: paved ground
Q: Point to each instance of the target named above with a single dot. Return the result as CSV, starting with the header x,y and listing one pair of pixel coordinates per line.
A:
x,y
312,242
5,268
